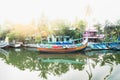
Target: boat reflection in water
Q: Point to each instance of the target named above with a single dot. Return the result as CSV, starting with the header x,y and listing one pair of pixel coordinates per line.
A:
x,y
92,65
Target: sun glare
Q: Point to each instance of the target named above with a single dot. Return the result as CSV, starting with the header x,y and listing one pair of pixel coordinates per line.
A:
x,y
23,11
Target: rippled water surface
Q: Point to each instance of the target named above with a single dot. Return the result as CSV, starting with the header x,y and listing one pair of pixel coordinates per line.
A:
x,y
28,64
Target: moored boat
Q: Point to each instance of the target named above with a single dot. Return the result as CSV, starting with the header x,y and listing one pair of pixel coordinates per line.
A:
x,y
4,43
117,48
16,45
114,46
53,48
98,46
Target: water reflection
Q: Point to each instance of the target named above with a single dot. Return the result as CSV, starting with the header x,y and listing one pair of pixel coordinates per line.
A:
x,y
95,65
107,59
5,53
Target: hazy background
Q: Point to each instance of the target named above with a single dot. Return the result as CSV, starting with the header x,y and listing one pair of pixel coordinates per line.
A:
x,y
24,11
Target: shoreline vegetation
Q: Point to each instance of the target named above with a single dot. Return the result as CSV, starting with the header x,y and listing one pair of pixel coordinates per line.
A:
x,y
34,34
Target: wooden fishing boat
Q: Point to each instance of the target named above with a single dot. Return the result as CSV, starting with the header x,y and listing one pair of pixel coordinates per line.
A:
x,y
62,48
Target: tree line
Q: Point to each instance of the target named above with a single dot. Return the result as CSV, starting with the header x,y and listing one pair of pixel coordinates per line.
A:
x,y
34,32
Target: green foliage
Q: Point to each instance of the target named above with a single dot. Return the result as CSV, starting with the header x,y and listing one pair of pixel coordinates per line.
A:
x,y
98,28
12,36
65,29
15,36
112,31
58,28
81,25
4,33
118,22
37,39
80,28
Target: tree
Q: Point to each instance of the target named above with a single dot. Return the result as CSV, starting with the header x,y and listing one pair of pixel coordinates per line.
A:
x,y
112,31
62,28
118,22
12,36
98,27
80,26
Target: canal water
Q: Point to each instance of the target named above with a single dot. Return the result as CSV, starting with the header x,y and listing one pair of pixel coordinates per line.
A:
x,y
29,64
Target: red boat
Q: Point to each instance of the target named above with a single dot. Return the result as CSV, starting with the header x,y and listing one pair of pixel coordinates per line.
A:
x,y
52,48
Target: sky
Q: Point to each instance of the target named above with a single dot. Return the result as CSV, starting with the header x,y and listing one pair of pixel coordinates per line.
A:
x,y
23,11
